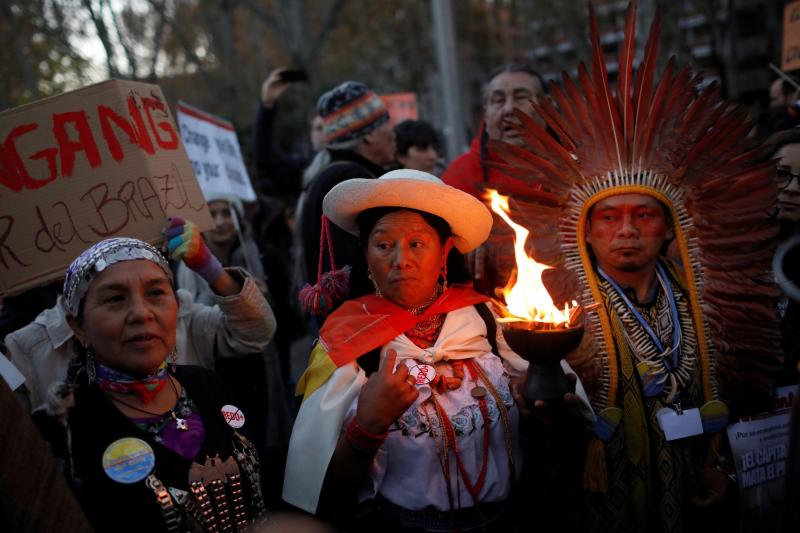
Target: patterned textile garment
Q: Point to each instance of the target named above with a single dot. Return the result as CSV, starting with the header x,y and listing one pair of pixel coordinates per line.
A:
x,y
407,469
649,479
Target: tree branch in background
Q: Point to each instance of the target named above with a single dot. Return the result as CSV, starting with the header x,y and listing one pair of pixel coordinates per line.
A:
x,y
20,52
158,39
258,10
221,24
133,64
102,34
328,24
188,49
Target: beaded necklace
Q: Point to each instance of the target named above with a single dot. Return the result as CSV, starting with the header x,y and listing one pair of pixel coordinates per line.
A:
x,y
425,333
450,440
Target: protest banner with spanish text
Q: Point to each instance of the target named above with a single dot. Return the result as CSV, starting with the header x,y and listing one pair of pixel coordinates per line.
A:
x,y
760,448
214,151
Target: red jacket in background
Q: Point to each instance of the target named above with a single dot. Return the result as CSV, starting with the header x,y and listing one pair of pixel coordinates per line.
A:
x,y
467,173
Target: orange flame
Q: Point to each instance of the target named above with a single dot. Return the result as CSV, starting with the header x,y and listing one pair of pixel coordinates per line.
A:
x,y
526,298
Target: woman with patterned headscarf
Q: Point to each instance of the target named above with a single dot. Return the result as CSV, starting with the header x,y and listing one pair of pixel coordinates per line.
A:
x,y
147,445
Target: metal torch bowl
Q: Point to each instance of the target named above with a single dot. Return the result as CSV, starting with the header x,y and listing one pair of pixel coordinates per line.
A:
x,y
541,346
543,349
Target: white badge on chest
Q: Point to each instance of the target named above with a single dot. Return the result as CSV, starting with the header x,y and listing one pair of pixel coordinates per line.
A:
x,y
679,424
423,374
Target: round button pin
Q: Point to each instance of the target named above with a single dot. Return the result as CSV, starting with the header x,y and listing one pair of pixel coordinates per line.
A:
x,y
423,374
233,416
128,460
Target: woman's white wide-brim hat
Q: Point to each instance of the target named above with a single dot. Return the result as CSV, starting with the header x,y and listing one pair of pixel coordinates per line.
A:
x,y
468,218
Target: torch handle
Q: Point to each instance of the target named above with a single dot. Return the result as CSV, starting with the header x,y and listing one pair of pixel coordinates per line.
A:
x,y
547,382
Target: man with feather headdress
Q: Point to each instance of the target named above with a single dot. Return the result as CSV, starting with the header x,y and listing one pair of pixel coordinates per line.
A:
x,y
674,347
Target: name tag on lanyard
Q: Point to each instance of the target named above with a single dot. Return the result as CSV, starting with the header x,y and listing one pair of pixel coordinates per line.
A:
x,y
676,425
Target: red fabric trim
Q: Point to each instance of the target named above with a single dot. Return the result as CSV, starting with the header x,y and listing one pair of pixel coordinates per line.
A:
x,y
196,113
366,323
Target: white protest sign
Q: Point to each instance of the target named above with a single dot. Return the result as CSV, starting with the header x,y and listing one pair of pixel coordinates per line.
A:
x,y
760,448
214,152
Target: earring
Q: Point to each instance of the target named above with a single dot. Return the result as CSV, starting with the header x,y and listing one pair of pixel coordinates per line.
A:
x,y
173,359
91,372
374,284
444,277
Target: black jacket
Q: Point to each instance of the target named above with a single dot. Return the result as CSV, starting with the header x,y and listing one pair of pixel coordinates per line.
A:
x,y
278,174
95,423
344,165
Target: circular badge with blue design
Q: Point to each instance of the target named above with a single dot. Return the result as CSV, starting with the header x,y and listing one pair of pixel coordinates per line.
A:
x,y
128,460
714,415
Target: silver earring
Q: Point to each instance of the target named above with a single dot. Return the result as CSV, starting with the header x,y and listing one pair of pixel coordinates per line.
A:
x,y
374,284
173,359
91,372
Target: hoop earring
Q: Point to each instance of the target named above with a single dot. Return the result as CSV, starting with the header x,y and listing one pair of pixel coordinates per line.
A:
x,y
91,372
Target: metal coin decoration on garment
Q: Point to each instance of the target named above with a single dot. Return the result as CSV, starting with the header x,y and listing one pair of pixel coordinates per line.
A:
x,y
233,416
424,374
128,460
478,392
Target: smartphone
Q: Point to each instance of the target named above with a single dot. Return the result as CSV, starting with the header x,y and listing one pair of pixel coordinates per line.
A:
x,y
294,75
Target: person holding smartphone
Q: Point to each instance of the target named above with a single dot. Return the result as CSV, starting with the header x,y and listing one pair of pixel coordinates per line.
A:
x,y
280,174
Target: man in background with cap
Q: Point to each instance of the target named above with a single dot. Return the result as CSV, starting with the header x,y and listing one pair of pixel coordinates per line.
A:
x,y
360,140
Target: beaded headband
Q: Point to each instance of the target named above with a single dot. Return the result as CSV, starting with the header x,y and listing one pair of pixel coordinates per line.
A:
x,y
94,260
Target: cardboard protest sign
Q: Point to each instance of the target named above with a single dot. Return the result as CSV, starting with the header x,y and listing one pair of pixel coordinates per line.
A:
x,y
99,162
790,59
760,448
213,149
401,106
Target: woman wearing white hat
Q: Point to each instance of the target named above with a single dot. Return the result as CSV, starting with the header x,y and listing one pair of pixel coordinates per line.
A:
x,y
407,408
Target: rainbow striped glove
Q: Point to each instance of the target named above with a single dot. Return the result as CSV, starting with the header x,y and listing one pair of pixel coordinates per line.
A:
x,y
185,243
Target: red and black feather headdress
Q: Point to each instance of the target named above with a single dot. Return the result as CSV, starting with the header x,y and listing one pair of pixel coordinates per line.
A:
x,y
676,139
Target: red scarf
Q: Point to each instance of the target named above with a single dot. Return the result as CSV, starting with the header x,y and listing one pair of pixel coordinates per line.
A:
x,y
365,323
